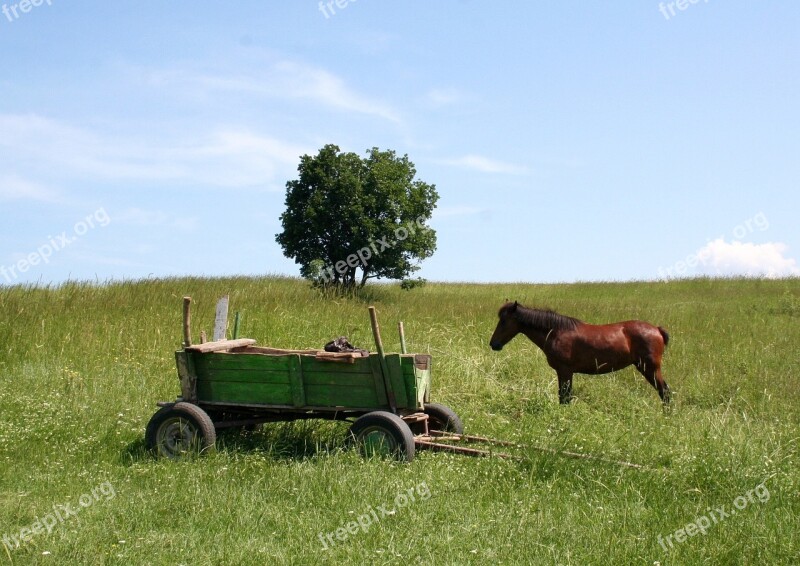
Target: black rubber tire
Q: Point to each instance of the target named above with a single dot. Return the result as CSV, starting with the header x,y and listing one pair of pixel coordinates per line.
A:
x,y
383,433
180,429
441,417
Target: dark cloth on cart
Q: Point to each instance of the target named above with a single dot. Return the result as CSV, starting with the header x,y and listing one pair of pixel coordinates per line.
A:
x,y
342,344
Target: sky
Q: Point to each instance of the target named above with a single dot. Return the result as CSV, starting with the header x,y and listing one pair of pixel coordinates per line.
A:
x,y
568,141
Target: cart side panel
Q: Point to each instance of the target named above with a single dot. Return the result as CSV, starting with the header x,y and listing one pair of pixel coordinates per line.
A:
x,y
374,362
296,381
241,378
187,376
399,385
422,370
410,380
331,384
417,378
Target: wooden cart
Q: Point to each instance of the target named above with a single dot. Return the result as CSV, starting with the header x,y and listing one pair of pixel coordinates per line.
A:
x,y
235,383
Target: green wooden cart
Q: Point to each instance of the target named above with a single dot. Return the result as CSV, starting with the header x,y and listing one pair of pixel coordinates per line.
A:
x,y
236,383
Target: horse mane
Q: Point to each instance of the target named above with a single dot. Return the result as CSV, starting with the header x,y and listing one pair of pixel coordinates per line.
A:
x,y
544,319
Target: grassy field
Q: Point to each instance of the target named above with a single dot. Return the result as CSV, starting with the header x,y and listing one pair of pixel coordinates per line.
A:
x,y
82,366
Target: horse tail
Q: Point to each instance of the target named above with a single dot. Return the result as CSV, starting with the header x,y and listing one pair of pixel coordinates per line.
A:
x,y
664,335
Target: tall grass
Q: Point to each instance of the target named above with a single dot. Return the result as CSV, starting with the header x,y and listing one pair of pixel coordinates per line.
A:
x,y
82,366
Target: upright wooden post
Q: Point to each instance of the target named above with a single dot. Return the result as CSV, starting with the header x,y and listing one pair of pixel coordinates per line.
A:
x,y
187,319
236,326
376,333
400,329
221,319
376,330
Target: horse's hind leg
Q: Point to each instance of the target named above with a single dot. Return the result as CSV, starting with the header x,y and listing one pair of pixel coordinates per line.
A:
x,y
663,388
652,373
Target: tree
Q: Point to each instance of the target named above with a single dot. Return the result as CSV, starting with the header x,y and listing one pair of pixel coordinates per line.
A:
x,y
345,214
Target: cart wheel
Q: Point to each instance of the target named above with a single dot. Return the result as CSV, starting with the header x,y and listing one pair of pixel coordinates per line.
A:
x,y
383,433
180,429
441,417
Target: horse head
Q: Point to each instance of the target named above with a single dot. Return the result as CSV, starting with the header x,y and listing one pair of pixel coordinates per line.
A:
x,y
507,326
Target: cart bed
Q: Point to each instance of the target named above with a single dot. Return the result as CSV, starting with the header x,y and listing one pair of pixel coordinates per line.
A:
x,y
258,376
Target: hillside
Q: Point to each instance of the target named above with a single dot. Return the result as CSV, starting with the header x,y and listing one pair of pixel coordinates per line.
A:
x,y
82,366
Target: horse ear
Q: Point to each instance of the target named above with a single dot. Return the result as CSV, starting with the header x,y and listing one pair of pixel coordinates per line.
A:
x,y
513,308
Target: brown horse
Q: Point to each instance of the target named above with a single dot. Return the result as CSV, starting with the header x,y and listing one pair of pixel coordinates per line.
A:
x,y
572,346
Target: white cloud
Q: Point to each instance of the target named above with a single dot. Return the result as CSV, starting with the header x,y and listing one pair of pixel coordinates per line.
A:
x,y
225,158
327,88
277,79
738,258
236,158
150,218
13,187
485,165
443,96
141,217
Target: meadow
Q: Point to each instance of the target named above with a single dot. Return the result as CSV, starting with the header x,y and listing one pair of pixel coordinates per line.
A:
x,y
82,366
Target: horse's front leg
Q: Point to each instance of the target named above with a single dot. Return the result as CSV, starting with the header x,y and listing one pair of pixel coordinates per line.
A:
x,y
564,386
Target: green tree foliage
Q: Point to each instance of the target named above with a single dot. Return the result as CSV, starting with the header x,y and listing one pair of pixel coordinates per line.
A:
x,y
349,219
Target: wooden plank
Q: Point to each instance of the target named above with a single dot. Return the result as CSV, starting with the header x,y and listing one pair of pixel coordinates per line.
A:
x,y
245,376
236,320
278,409
326,397
338,379
337,360
341,357
417,379
422,365
343,396
187,376
187,320
376,333
359,365
296,381
205,362
402,331
412,382
272,351
377,380
235,392
437,447
398,382
221,319
376,330
220,345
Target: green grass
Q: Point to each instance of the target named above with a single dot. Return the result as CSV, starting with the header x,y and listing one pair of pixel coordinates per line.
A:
x,y
82,366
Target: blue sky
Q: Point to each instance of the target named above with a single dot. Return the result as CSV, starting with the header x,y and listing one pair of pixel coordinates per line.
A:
x,y
569,141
